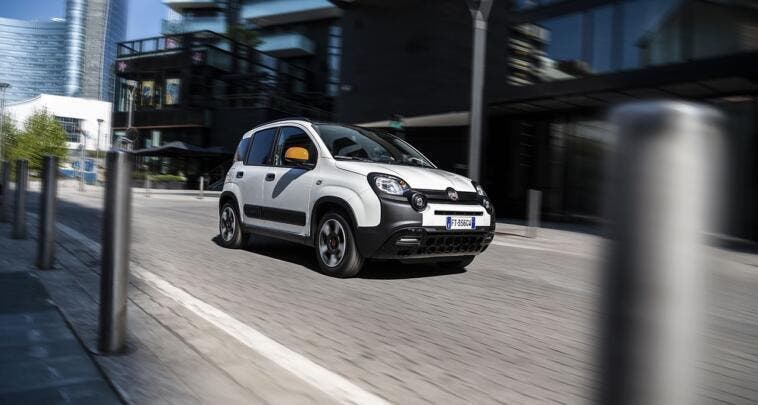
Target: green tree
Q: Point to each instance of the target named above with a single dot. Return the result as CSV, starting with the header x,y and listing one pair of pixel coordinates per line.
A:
x,y
9,135
42,135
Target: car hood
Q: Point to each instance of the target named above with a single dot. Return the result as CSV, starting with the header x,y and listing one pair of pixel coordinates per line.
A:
x,y
417,177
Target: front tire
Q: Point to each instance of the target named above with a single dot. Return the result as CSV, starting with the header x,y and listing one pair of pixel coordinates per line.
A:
x,y
336,248
230,227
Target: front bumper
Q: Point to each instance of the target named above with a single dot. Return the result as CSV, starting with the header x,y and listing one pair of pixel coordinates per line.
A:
x,y
404,233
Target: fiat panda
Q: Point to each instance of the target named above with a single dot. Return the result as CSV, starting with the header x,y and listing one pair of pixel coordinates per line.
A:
x,y
352,193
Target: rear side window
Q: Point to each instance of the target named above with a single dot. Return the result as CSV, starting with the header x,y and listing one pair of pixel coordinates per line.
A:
x,y
242,149
260,152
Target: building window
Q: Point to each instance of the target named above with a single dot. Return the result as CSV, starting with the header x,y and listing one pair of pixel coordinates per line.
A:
x,y
148,89
173,86
334,59
73,128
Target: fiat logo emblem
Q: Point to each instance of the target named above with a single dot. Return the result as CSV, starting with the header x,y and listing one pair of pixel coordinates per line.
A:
x,y
452,194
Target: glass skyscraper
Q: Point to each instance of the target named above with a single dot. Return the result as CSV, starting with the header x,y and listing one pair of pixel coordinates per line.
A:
x,y
32,57
71,57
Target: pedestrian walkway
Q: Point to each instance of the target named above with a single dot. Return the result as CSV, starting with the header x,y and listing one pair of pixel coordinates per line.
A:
x,y
41,359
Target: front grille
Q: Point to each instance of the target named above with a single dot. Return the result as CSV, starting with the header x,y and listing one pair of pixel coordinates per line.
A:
x,y
440,196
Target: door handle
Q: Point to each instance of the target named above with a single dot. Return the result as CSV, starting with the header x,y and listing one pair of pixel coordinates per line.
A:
x,y
270,177
240,174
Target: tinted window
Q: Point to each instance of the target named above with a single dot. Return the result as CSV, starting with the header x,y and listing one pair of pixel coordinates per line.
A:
x,y
260,152
356,143
242,149
289,137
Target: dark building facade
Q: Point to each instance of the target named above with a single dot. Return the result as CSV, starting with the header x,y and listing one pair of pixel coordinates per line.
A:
x,y
549,131
412,57
205,90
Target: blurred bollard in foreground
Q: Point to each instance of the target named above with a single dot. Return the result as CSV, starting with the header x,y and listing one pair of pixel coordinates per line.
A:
x,y
660,200
533,207
5,204
19,211
47,201
114,276
147,185
202,185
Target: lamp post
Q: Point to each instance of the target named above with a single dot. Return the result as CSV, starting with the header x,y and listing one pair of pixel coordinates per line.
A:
x,y
480,11
3,87
99,124
81,161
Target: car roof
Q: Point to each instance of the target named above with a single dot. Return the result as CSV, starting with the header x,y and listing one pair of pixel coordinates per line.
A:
x,y
301,120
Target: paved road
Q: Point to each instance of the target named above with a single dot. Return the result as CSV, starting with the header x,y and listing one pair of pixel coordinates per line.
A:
x,y
517,327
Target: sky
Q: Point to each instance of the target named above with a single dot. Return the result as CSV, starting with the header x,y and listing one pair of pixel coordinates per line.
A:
x,y
143,20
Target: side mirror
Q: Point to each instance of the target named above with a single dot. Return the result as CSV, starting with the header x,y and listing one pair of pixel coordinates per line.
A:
x,y
297,156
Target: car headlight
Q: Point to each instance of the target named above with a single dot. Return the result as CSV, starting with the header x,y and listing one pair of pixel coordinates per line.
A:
x,y
479,190
384,183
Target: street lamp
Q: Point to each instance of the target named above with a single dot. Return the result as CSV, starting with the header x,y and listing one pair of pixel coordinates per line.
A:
x,y
3,87
81,162
480,11
99,123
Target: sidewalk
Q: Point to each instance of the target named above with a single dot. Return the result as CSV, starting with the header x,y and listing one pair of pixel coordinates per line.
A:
x,y
41,359
172,356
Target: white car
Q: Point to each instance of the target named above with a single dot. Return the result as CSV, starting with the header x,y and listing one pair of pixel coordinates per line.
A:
x,y
352,193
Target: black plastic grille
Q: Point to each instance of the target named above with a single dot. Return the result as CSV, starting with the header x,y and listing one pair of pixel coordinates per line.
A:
x,y
440,196
452,243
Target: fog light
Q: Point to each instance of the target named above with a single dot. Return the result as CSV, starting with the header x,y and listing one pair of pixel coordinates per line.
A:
x,y
486,204
418,201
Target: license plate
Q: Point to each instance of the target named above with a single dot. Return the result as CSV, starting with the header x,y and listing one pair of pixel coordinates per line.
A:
x,y
461,223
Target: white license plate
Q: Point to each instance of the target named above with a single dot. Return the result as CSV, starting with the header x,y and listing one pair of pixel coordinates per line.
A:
x,y
461,223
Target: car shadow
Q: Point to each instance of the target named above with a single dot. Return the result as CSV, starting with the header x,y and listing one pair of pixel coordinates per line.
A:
x,y
394,270
372,270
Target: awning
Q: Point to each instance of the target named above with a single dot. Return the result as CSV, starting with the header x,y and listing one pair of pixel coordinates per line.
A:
x,y
182,149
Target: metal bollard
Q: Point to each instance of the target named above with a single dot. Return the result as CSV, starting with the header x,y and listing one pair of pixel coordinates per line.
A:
x,y
147,185
114,275
46,242
19,212
533,206
5,204
658,204
202,185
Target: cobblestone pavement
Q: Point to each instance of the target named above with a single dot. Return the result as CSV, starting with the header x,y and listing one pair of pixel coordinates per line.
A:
x,y
517,327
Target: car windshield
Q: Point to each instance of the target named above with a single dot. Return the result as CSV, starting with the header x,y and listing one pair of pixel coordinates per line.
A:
x,y
355,143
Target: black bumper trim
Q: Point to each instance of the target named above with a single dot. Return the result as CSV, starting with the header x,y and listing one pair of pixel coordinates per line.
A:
x,y
400,220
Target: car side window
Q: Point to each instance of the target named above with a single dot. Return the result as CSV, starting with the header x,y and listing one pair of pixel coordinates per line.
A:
x,y
242,149
289,137
260,151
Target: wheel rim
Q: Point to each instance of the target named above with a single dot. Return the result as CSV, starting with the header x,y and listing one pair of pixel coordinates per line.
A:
x,y
227,224
331,243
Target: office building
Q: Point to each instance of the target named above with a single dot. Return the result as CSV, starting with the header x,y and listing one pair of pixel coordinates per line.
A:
x,y
205,90
305,33
548,131
32,57
71,56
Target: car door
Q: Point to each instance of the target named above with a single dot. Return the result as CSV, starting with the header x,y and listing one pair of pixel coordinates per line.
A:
x,y
287,186
250,176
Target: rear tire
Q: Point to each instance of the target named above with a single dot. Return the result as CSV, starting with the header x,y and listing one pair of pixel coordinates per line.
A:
x,y
336,248
230,227
457,264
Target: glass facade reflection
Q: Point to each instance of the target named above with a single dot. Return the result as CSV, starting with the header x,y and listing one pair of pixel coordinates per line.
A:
x,y
32,58
71,57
